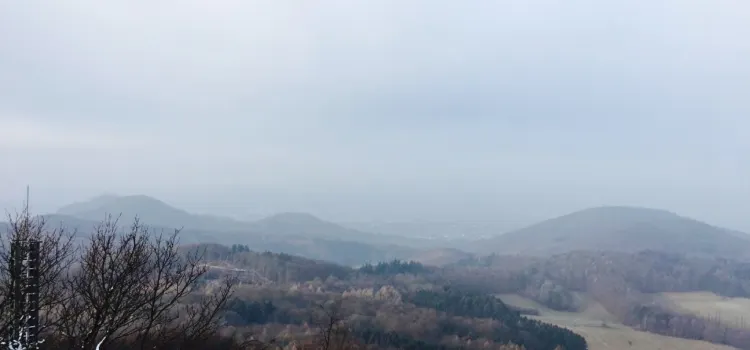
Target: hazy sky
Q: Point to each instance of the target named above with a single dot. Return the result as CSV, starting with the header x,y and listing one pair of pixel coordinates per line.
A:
x,y
352,110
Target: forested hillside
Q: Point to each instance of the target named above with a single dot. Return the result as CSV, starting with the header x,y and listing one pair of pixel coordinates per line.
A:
x,y
126,287
287,300
627,285
392,305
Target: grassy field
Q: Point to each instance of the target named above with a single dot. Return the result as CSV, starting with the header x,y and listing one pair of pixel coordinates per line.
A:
x,y
734,312
601,330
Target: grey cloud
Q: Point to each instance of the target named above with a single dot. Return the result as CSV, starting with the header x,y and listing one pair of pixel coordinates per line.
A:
x,y
627,101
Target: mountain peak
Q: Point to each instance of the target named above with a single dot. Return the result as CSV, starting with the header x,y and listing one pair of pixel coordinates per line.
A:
x,y
151,211
622,209
619,228
142,200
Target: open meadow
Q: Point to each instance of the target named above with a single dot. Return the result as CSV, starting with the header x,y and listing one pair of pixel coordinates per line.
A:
x,y
734,312
601,331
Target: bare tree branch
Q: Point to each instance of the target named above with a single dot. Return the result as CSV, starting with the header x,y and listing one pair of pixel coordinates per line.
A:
x,y
130,285
56,256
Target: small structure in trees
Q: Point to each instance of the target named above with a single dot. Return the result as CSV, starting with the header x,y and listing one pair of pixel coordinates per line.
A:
x,y
23,332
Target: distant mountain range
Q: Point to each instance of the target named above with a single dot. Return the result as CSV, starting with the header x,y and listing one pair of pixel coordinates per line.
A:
x,y
624,229
149,210
293,233
160,214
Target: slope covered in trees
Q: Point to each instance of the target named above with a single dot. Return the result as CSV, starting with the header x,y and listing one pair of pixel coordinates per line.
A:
x,y
515,329
287,299
396,304
625,284
122,287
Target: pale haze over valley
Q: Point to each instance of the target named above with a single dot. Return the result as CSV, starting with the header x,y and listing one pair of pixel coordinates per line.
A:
x,y
509,112
349,175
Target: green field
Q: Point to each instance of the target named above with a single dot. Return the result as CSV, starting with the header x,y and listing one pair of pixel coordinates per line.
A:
x,y
734,312
602,332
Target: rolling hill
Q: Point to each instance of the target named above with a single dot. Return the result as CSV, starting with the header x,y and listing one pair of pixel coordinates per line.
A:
x,y
292,233
157,213
149,210
154,212
625,229
307,225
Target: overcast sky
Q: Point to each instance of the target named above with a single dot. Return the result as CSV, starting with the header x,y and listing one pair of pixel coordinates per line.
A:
x,y
356,110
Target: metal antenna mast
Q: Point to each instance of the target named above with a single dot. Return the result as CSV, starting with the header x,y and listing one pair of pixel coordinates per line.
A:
x,y
24,268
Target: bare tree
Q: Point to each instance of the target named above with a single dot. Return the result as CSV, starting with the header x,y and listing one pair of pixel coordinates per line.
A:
x,y
333,333
131,286
56,253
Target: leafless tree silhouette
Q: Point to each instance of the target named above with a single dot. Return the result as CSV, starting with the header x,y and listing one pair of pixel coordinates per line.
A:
x,y
333,333
56,255
129,285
